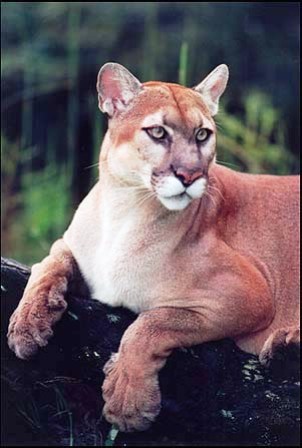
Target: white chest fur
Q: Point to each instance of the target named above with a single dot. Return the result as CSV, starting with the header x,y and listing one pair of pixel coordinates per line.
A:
x,y
121,257
124,267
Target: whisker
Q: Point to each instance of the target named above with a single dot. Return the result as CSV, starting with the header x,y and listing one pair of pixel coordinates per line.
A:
x,y
148,196
137,188
212,188
208,194
91,166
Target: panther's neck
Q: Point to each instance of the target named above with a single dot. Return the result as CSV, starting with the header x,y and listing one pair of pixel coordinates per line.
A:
x,y
131,205
121,201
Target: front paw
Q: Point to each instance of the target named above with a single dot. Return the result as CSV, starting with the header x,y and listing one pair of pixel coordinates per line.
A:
x,y
132,402
31,323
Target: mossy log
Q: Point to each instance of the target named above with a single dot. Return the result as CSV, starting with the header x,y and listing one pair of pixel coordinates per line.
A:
x,y
213,394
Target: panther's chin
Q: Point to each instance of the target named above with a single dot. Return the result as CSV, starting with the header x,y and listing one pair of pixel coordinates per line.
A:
x,y
177,202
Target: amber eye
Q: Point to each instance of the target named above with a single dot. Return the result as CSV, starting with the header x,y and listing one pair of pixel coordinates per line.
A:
x,y
157,132
202,134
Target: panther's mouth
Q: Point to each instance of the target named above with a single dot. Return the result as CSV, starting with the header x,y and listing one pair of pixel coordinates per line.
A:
x,y
174,195
177,202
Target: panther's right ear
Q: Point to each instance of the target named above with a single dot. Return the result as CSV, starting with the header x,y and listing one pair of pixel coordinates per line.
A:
x,y
116,88
213,87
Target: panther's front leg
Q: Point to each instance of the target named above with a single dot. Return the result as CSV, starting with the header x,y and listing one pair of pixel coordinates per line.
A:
x,y
42,304
131,390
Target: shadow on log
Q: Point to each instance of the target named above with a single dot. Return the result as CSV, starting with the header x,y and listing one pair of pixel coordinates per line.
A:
x,y
213,394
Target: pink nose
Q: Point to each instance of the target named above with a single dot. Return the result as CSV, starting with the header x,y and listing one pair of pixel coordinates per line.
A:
x,y
188,176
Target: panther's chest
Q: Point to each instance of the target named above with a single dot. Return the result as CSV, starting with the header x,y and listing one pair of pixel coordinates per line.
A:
x,y
126,267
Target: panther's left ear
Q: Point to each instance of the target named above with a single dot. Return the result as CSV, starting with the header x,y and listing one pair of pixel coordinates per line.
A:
x,y
213,86
116,88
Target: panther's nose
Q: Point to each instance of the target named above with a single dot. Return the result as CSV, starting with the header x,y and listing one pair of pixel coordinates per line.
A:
x,y
187,176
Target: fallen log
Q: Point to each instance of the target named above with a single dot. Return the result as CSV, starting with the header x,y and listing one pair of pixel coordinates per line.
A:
x,y
213,394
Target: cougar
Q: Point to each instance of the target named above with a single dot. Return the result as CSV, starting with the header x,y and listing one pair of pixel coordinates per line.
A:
x,y
200,252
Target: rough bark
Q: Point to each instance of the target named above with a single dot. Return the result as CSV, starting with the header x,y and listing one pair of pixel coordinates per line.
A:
x,y
213,394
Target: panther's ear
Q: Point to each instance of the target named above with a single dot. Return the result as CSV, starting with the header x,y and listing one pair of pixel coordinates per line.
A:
x,y
116,88
213,86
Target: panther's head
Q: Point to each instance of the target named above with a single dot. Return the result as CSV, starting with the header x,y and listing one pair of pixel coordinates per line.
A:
x,y
161,136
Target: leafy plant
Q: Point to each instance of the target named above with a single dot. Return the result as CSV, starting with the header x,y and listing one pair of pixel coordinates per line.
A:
x,y
52,129
44,214
254,142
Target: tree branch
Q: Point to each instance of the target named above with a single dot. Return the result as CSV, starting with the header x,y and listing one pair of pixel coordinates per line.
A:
x,y
213,394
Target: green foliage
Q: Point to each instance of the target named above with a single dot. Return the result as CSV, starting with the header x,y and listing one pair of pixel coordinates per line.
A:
x,y
45,199
57,410
51,53
255,142
183,64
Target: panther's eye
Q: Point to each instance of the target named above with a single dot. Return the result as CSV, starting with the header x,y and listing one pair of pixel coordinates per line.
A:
x,y
202,134
157,132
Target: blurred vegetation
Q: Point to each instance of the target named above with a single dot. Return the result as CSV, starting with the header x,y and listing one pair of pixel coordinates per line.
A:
x,y
51,128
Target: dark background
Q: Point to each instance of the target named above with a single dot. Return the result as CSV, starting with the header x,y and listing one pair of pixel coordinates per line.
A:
x,y
51,128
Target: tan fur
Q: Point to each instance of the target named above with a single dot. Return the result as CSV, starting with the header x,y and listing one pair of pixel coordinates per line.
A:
x,y
226,265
